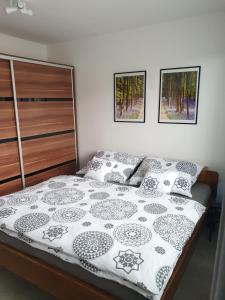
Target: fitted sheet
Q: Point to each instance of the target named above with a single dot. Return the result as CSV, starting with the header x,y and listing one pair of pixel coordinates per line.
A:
x,y
200,193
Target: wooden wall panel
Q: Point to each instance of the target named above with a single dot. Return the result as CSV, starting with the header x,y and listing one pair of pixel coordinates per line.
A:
x,y
41,81
9,160
10,187
5,79
45,117
7,120
46,152
68,169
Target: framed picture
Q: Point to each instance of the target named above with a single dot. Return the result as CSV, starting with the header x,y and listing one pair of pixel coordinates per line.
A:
x,y
129,96
178,95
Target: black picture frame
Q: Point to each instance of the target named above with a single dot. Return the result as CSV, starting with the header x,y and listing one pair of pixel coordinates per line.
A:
x,y
130,74
197,86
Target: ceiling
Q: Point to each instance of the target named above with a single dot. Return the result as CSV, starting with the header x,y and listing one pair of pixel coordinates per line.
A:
x,y
63,20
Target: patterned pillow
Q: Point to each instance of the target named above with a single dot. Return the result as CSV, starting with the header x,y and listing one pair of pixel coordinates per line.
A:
x,y
120,173
158,182
98,168
120,157
124,167
182,185
154,164
188,173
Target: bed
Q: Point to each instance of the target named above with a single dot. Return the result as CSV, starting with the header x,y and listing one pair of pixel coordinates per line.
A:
x,y
62,279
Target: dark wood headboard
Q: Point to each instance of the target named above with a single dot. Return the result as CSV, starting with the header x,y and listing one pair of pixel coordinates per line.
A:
x,y
37,122
210,178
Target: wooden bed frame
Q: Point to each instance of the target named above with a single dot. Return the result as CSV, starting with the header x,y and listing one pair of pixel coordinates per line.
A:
x,y
65,286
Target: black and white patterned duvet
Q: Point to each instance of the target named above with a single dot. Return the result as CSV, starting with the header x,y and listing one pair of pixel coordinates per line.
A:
x,y
114,231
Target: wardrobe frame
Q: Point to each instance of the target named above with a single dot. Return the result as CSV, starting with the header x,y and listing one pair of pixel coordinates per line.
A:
x,y
11,59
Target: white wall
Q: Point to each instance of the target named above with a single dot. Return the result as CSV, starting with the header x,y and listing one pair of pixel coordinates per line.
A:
x,y
197,41
19,47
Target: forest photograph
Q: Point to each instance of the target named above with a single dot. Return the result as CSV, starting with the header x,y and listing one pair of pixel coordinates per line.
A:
x,y
129,96
179,95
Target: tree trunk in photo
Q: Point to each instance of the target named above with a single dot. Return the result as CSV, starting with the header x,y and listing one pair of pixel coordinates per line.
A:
x,y
122,96
187,106
170,92
127,96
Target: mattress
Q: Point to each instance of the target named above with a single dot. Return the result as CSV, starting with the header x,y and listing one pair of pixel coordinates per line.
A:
x,y
200,193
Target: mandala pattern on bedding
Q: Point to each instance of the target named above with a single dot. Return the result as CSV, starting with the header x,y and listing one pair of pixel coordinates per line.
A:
x,y
68,215
54,232
126,158
32,188
161,276
128,261
150,184
132,234
2,202
86,224
187,167
99,196
113,209
155,208
199,209
148,163
127,172
160,250
24,238
114,177
99,154
182,183
148,194
95,165
122,189
6,212
31,222
80,180
63,196
175,229
22,199
56,185
88,266
99,184
109,226
92,244
178,200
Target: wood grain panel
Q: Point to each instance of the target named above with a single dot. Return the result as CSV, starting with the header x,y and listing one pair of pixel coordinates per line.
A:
x,y
45,117
5,79
45,152
40,81
10,187
210,178
68,169
7,120
9,160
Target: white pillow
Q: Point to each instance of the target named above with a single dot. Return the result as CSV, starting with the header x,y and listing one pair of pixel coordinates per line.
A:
x,y
158,182
183,184
98,168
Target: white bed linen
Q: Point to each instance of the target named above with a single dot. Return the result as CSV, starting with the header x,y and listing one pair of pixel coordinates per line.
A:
x,y
116,232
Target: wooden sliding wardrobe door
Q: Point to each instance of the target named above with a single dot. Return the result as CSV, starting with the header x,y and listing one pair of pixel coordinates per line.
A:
x,y
10,172
46,117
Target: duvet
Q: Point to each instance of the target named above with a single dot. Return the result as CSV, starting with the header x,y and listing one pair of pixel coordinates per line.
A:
x,y
114,231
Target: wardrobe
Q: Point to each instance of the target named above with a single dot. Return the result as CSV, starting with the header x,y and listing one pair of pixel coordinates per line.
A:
x,y
38,136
